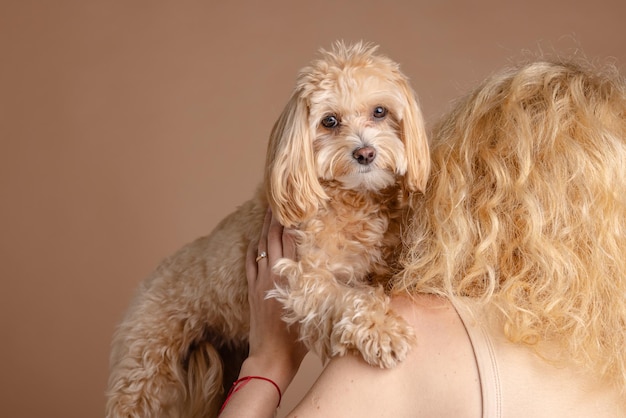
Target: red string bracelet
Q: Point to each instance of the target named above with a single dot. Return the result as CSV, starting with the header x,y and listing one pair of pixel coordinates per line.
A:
x,y
241,382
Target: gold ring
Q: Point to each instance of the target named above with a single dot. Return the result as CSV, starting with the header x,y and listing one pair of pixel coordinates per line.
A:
x,y
263,254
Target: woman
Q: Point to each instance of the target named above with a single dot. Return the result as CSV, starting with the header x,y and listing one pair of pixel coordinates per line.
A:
x,y
514,271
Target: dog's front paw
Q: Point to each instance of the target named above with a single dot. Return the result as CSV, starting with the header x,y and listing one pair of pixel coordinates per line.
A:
x,y
383,339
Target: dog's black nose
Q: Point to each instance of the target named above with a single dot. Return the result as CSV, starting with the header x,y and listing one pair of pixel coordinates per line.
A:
x,y
364,155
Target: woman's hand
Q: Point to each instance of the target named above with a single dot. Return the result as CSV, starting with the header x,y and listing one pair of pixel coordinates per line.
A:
x,y
275,351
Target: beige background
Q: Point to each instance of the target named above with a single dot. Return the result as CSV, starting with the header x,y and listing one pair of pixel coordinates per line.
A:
x,y
128,128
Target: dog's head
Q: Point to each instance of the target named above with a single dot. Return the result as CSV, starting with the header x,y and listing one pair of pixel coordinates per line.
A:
x,y
353,119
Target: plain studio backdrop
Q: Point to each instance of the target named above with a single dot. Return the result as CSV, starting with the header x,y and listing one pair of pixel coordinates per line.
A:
x,y
129,128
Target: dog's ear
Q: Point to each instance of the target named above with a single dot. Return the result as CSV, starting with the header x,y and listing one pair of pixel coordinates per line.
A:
x,y
415,141
293,190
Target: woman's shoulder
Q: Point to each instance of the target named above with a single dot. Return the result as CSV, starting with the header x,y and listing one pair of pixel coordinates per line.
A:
x,y
438,378
424,311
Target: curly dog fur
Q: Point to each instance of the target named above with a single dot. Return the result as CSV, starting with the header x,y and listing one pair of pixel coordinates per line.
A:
x,y
343,156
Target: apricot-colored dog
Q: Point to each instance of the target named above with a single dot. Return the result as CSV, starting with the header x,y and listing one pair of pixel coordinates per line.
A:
x,y
347,149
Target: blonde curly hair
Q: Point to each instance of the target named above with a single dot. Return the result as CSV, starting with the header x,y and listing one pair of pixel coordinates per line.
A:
x,y
526,208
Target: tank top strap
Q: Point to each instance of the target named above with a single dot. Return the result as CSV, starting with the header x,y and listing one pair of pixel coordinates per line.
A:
x,y
486,360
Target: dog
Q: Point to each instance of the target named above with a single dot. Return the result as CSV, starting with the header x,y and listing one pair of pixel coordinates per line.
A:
x,y
343,157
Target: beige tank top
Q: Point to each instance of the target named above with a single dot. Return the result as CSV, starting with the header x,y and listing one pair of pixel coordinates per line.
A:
x,y
515,382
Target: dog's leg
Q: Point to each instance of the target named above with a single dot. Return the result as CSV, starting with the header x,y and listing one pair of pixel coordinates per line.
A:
x,y
335,319
368,325
151,355
188,318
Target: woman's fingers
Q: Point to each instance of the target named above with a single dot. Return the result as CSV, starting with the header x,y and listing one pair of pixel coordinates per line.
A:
x,y
274,240
265,231
251,267
289,244
255,248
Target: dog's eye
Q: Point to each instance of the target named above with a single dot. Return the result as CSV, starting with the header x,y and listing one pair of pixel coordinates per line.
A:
x,y
330,122
379,112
